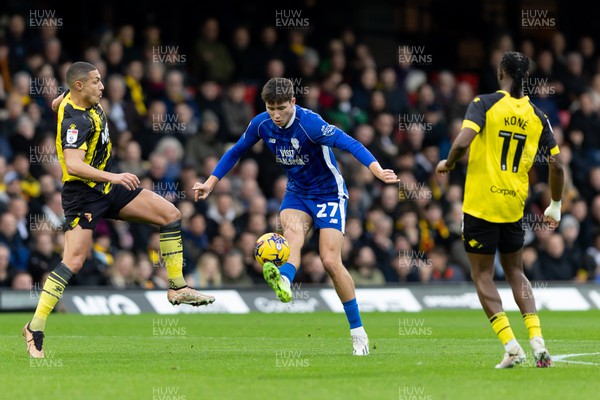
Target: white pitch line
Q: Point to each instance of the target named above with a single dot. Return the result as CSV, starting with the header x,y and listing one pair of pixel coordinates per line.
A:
x,y
563,358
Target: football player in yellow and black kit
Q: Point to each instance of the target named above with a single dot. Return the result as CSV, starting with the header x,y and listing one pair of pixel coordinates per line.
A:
x,y
503,131
91,191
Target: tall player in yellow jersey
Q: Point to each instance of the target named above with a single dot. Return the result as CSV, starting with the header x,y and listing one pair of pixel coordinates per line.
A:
x,y
90,192
503,131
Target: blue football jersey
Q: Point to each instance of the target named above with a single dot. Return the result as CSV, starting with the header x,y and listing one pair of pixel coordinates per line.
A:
x,y
303,149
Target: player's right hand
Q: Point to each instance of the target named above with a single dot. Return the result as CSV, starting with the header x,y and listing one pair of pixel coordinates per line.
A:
x,y
201,190
443,168
130,181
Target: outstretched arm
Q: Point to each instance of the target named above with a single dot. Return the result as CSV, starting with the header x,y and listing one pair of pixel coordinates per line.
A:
x,y
229,159
457,151
362,154
386,175
557,182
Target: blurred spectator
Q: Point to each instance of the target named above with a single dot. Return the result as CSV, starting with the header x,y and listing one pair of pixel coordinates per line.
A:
x,y
243,55
364,271
172,151
582,263
22,281
10,237
311,270
234,271
134,77
213,60
343,114
433,228
237,113
122,111
204,143
114,57
574,80
268,47
102,249
154,81
177,92
361,93
462,99
396,99
207,273
144,273
122,274
133,161
5,267
382,244
584,128
442,269
195,237
43,257
553,262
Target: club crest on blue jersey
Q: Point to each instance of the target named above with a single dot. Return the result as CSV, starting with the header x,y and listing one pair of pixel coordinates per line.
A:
x,y
328,130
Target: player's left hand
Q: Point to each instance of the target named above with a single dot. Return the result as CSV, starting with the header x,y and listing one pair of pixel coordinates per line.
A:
x,y
552,214
442,167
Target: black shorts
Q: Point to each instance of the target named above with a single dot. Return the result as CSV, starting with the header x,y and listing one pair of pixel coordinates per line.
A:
x,y
484,237
85,206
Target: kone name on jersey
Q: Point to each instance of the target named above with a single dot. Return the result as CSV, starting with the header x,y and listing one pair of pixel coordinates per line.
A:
x,y
514,120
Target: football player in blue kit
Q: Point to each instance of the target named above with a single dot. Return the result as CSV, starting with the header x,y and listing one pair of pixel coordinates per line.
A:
x,y
316,194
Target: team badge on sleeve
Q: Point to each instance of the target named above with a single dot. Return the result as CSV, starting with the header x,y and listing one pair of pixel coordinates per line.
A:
x,y
72,134
327,129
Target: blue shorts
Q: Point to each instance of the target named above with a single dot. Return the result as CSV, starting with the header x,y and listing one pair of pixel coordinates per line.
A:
x,y
326,212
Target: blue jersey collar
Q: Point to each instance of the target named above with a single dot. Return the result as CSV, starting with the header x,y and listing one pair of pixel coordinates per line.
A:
x,y
291,121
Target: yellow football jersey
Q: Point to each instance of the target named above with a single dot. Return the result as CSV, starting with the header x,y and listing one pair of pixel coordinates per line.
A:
x,y
511,132
84,129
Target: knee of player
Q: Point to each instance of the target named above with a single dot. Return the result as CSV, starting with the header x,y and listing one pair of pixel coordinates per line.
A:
x,y
171,214
331,262
74,263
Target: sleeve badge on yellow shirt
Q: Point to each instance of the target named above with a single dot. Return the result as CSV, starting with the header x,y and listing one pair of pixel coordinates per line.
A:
x,y
72,134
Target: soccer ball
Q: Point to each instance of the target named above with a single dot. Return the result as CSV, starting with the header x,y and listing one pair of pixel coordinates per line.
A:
x,y
272,247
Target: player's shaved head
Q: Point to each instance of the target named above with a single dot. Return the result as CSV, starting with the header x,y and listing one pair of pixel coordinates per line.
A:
x,y
277,91
78,71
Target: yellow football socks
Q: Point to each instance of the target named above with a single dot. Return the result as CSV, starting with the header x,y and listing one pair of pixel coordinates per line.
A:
x,y
502,327
51,293
532,323
171,249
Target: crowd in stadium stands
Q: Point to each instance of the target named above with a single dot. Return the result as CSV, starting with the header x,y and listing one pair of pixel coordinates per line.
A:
x,y
173,113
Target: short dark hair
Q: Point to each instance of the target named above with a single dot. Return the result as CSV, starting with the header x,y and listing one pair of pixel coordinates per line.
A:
x,y
78,71
277,90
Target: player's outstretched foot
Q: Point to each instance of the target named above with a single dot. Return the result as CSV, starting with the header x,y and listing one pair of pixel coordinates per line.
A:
x,y
540,353
280,285
360,344
34,341
513,357
188,295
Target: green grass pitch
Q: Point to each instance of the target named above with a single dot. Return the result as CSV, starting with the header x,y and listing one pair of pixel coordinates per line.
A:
x,y
428,355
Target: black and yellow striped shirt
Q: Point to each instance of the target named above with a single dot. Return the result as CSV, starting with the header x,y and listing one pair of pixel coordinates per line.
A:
x,y
510,133
84,129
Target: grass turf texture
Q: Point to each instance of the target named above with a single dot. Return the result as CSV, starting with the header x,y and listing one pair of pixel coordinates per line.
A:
x,y
428,355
